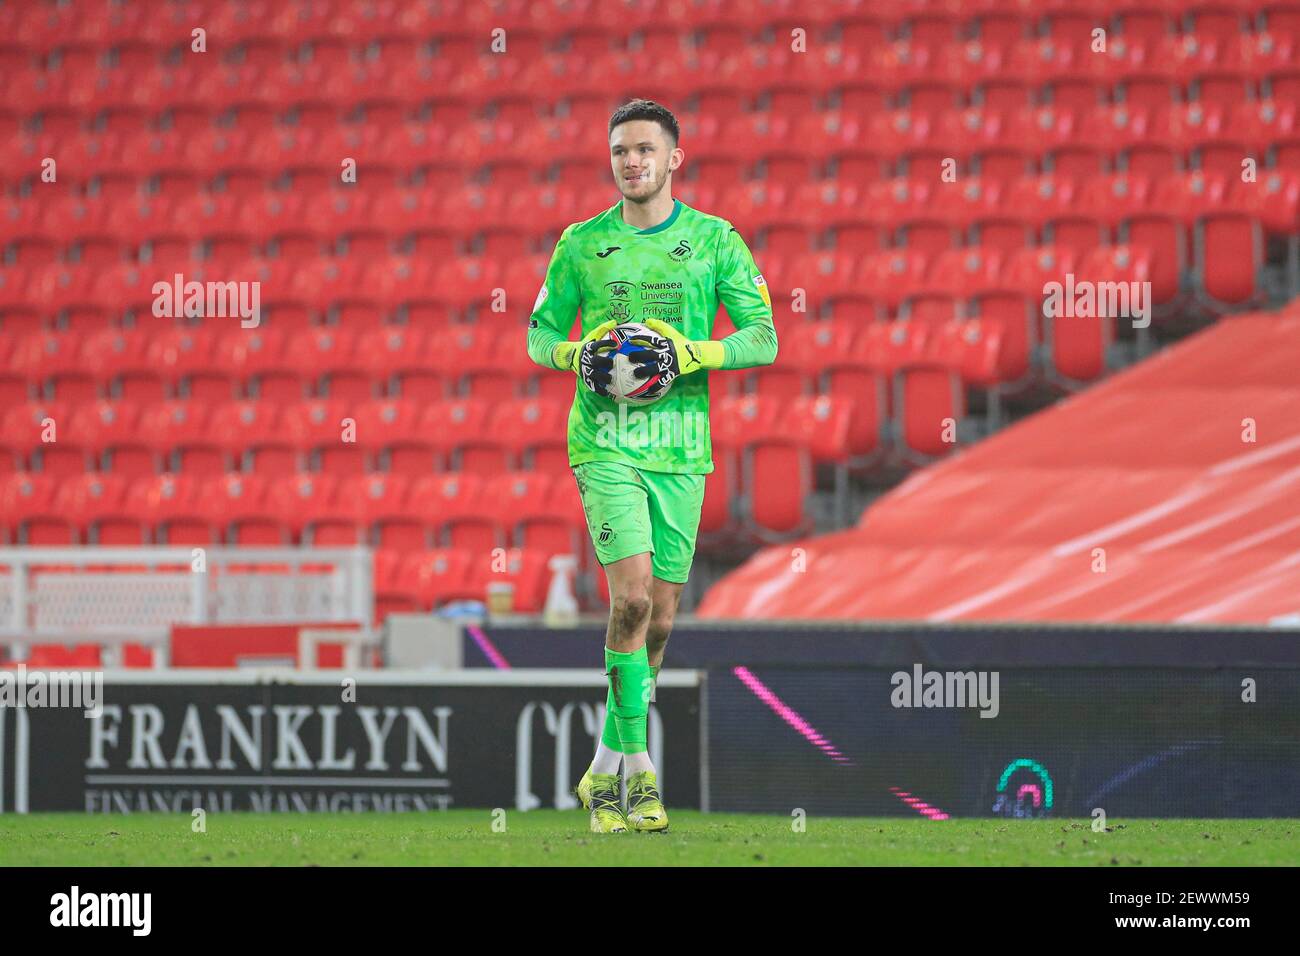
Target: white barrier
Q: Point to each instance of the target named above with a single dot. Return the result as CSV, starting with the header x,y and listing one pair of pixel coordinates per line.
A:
x,y
113,596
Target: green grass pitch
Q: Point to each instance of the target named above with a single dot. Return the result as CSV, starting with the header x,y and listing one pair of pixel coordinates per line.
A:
x,y
548,837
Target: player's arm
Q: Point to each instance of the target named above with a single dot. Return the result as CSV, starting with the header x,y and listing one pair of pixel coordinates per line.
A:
x,y
742,290
557,302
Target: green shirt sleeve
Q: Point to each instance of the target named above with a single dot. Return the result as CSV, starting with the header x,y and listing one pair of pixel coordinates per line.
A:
x,y
557,303
743,290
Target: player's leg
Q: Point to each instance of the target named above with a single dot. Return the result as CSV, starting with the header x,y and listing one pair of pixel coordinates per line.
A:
x,y
614,499
627,579
626,661
675,502
665,597
625,716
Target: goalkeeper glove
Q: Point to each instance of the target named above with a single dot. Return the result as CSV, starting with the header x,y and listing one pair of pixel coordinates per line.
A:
x,y
681,356
591,358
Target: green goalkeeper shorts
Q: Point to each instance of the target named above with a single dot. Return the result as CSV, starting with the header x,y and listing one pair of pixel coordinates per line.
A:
x,y
631,511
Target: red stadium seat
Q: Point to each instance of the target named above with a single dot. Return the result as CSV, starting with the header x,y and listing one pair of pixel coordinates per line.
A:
x,y
325,431
327,510
454,504
929,403
1076,345
175,506
462,427
1273,199
720,492
380,505
251,435
239,505
188,357
775,505
28,511
892,276
481,356
51,361
524,569
521,502
95,504
438,576
179,430
27,429
1015,315
260,360
107,433
960,273
1229,258
535,429
824,425
972,347
393,430
331,355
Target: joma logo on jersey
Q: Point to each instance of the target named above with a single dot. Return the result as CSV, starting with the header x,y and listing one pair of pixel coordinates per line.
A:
x,y
681,252
608,251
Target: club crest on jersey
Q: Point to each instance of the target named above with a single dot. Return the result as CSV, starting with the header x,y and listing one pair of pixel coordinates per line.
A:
x,y
761,284
542,293
680,252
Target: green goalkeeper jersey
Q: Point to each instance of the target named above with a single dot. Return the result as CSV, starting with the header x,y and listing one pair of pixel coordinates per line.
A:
x,y
677,272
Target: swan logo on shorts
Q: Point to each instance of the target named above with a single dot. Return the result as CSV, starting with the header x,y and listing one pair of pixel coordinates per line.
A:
x,y
761,284
606,533
542,293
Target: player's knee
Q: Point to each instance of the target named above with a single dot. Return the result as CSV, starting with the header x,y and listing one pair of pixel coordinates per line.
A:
x,y
630,611
660,628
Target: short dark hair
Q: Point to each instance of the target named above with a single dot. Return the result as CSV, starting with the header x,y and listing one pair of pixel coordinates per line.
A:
x,y
646,110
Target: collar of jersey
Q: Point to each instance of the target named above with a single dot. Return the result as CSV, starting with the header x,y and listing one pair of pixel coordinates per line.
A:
x,y
672,218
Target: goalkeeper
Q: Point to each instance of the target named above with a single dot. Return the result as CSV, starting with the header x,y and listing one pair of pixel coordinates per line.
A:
x,y
652,259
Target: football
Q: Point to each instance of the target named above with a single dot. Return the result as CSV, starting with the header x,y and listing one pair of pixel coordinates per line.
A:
x,y
626,388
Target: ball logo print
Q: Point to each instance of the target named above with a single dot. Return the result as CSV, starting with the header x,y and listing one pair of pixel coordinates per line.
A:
x,y
634,381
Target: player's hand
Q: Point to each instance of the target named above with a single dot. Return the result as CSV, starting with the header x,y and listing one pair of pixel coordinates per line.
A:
x,y
643,351
596,365
679,355
590,358
565,355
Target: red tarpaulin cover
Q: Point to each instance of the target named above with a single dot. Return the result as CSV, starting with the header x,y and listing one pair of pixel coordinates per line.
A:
x,y
1194,523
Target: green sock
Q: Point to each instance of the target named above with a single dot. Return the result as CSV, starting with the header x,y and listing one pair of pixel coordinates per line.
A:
x,y
609,735
630,685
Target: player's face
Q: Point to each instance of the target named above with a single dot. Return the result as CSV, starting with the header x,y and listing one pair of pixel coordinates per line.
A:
x,y
642,158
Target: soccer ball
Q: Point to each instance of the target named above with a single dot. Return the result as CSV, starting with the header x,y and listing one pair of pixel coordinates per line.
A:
x,y
625,387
